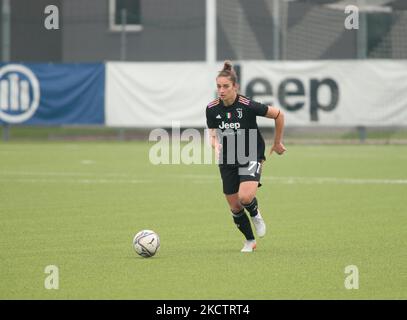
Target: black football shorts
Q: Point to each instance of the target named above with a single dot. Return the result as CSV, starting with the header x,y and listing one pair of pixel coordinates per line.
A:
x,y
232,176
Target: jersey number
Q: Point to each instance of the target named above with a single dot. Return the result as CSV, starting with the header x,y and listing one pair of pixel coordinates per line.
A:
x,y
252,165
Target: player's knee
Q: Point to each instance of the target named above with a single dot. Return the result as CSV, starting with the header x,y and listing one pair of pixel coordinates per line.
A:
x,y
245,199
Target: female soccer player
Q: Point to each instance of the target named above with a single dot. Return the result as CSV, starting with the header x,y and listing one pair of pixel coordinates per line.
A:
x,y
239,146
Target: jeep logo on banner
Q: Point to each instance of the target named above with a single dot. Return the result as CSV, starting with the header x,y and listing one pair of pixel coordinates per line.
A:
x,y
291,88
19,93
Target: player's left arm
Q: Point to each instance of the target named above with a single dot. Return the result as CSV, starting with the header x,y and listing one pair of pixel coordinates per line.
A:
x,y
278,116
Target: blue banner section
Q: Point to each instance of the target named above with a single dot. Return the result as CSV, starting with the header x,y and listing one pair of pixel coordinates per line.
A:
x,y
52,94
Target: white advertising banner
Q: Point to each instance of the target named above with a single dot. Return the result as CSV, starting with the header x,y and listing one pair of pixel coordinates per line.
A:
x,y
311,93
156,94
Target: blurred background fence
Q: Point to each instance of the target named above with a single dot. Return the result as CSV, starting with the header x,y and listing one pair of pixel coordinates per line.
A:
x,y
287,32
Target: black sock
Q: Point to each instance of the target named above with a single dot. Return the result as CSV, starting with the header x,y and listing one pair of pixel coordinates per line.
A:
x,y
243,224
252,207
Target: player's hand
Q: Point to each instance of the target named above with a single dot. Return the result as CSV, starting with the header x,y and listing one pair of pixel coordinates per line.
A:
x,y
278,148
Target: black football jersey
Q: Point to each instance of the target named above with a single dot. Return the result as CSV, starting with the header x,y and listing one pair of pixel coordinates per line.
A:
x,y
237,130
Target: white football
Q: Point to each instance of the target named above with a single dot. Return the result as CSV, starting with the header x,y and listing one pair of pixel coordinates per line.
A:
x,y
146,243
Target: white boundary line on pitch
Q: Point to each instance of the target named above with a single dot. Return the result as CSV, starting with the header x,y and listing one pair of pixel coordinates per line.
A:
x,y
307,180
324,180
61,174
80,181
198,178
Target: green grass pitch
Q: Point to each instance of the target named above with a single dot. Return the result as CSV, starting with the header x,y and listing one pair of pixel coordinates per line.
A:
x,y
77,205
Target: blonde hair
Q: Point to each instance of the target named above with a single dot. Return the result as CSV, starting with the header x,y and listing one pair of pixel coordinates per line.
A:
x,y
228,72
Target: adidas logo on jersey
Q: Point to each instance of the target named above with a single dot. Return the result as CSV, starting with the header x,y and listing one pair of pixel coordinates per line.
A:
x,y
218,116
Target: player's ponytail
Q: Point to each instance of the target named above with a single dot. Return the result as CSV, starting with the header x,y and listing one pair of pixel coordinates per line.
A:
x,y
227,66
228,71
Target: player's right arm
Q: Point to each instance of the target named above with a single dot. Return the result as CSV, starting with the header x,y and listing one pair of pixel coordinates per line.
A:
x,y
213,127
211,124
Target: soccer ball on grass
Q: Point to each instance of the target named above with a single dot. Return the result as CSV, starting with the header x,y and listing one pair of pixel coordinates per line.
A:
x,y
146,243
